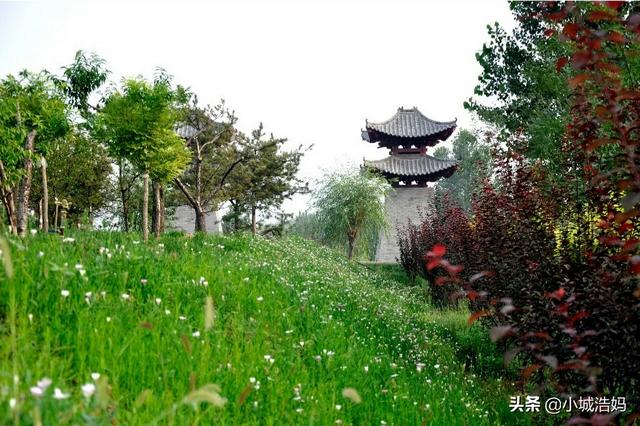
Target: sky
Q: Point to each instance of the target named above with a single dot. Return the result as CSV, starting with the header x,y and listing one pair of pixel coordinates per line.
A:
x,y
311,71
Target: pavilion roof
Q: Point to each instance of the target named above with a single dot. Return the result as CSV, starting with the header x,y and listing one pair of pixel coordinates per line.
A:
x,y
411,165
185,131
411,123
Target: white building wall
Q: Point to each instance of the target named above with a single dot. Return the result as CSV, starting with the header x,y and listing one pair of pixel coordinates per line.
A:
x,y
184,219
403,204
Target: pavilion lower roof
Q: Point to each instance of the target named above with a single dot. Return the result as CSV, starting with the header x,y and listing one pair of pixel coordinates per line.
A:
x,y
412,165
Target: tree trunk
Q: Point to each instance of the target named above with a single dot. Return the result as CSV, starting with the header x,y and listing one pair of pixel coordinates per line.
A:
x,y
253,220
24,189
145,206
123,197
162,209
45,196
7,199
157,210
201,220
236,217
201,224
352,244
55,218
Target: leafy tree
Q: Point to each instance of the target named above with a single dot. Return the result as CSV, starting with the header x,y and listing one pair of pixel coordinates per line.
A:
x,y
32,114
210,136
350,206
519,89
78,171
138,124
474,166
267,175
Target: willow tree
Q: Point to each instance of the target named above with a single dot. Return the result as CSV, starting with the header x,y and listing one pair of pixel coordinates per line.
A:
x,y
137,123
350,206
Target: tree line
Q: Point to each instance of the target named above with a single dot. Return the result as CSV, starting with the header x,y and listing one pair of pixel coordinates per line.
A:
x,y
125,151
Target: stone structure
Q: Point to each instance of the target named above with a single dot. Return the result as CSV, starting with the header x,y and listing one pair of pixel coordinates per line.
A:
x,y
408,168
184,219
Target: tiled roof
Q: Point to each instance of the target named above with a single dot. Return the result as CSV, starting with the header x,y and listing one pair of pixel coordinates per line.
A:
x,y
411,123
411,165
185,131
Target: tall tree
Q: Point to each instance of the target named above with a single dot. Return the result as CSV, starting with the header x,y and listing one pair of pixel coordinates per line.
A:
x,y
267,175
32,114
474,166
78,171
350,206
210,136
137,123
519,90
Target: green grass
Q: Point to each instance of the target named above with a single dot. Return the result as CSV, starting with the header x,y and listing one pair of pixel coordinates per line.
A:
x,y
327,324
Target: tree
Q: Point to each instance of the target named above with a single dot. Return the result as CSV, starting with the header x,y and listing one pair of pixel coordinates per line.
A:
x,y
78,171
349,206
519,89
32,113
474,166
210,136
137,123
266,176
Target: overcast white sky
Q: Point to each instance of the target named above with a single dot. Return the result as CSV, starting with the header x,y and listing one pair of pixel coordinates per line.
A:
x,y
311,71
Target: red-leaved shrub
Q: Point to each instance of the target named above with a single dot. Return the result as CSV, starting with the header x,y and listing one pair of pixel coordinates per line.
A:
x,y
568,307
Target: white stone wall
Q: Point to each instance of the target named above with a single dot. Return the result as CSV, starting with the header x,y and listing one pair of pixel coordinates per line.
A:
x,y
402,204
184,219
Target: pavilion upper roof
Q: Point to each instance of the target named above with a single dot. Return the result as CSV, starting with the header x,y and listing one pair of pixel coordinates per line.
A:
x,y
411,123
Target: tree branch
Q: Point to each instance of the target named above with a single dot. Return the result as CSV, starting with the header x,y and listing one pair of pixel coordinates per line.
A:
x,y
186,193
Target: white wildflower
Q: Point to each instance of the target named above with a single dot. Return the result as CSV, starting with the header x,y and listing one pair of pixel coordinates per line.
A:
x,y
125,296
58,394
44,383
36,391
158,301
65,293
88,389
95,376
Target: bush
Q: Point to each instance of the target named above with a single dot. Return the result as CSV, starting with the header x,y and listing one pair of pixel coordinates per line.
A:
x,y
568,307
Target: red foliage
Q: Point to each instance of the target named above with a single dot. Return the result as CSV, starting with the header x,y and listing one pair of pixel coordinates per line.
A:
x,y
568,309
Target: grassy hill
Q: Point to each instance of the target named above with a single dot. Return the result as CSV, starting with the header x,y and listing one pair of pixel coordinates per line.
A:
x,y
298,336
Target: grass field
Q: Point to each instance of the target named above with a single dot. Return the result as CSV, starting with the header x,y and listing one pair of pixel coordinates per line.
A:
x,y
292,334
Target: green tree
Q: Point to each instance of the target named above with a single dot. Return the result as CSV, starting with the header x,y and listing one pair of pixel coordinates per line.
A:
x,y
137,123
32,114
266,176
474,166
520,91
78,171
350,206
210,136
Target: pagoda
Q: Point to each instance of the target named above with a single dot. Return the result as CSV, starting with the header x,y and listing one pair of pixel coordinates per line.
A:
x,y
408,168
